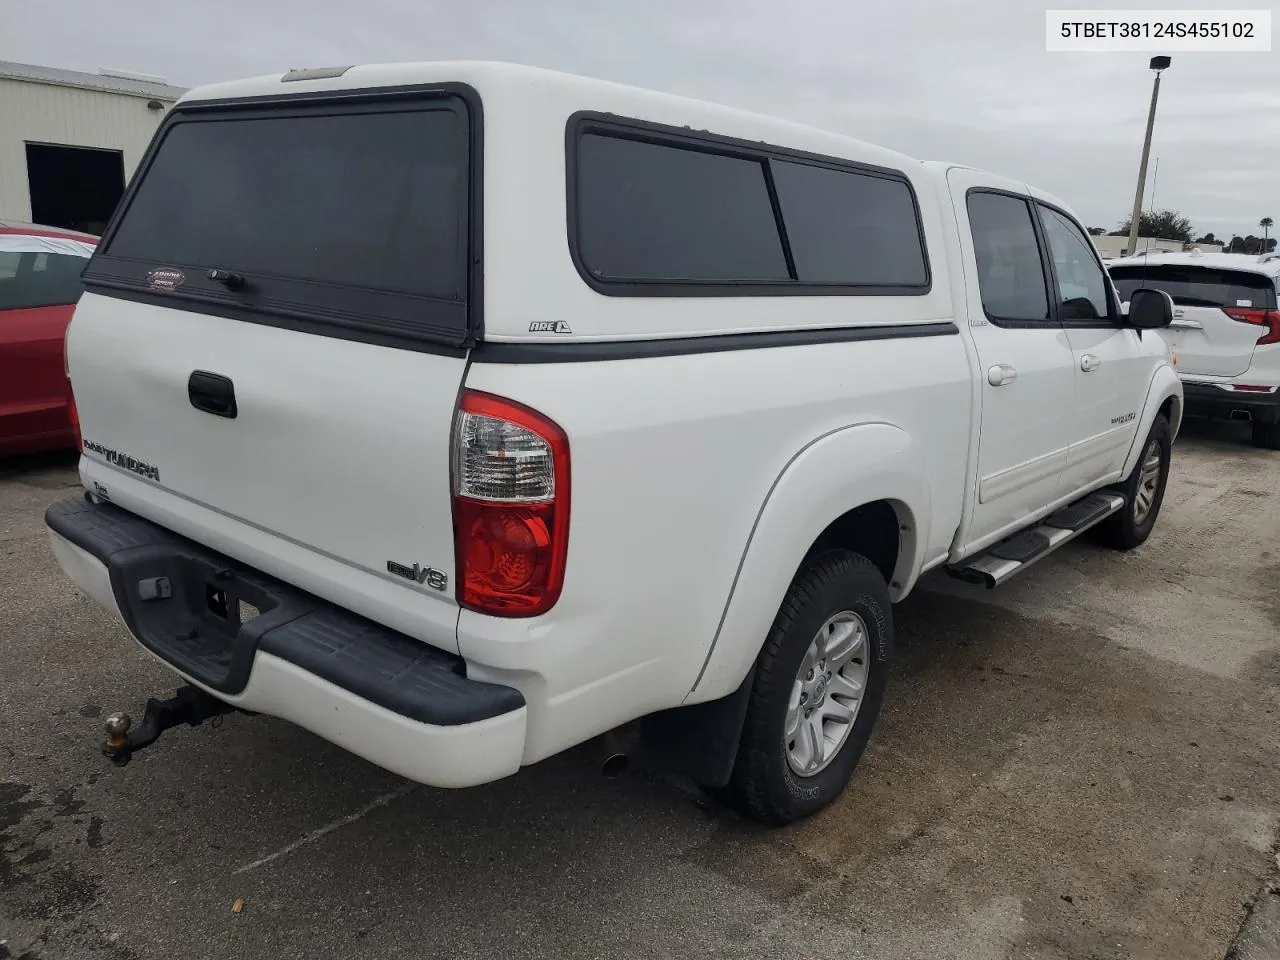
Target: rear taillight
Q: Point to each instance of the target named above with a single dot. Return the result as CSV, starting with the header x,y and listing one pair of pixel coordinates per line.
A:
x,y
71,397
1259,318
510,506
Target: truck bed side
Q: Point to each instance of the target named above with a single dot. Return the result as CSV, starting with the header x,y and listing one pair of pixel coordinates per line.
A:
x,y
680,464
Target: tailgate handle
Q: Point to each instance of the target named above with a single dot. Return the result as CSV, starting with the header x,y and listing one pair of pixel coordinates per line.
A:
x,y
212,393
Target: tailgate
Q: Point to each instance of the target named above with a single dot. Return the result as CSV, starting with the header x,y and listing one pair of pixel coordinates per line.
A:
x,y
1207,339
1208,342
342,447
276,324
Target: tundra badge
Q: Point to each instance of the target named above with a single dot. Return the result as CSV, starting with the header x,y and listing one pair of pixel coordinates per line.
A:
x,y
118,458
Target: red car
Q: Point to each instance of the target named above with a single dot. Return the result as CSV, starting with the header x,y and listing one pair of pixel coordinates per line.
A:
x,y
39,286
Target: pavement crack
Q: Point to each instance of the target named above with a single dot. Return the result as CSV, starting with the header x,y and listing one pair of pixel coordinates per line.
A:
x,y
327,829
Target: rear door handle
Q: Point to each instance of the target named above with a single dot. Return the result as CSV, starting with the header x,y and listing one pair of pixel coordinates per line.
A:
x,y
1089,363
1001,374
212,393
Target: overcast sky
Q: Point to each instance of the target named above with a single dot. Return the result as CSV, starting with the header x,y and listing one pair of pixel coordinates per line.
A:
x,y
941,80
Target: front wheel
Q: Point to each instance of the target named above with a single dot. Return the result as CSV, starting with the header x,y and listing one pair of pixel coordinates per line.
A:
x,y
818,686
1143,492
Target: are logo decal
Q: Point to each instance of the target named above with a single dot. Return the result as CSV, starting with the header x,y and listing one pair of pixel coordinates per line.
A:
x,y
164,280
549,326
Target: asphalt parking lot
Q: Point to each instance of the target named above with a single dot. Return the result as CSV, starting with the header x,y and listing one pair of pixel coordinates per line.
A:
x,y
1082,764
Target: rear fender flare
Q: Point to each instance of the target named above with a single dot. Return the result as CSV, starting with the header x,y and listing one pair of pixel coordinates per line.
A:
x,y
832,475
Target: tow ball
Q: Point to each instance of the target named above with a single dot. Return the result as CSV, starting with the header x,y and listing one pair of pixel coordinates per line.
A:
x,y
189,705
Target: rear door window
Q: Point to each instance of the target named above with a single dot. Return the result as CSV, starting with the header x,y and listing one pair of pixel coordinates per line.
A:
x,y
1011,275
39,279
1192,286
351,216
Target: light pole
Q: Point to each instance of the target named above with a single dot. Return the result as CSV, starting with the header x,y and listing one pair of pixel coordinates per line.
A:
x,y
1157,64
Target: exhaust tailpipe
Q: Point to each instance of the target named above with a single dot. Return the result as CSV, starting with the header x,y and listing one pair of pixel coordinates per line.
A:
x,y
614,766
1244,415
614,751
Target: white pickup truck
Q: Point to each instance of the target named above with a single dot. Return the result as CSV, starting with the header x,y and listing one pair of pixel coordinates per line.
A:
x,y
463,412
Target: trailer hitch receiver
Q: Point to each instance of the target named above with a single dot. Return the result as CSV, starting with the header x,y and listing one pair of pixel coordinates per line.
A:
x,y
190,705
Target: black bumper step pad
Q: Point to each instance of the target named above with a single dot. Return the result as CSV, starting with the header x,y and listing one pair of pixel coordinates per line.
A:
x,y
1080,514
208,615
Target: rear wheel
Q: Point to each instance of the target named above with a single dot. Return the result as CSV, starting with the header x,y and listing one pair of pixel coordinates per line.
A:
x,y
818,686
1266,435
1143,492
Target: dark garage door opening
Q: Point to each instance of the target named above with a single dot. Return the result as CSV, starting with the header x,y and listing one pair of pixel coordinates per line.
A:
x,y
74,187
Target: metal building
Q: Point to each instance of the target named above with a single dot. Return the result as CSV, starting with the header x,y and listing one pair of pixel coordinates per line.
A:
x,y
69,141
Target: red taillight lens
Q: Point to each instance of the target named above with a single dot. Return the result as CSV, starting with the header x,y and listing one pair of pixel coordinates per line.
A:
x,y
1260,318
510,506
71,397
75,417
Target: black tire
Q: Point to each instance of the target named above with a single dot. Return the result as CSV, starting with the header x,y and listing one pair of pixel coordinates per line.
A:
x,y
1266,435
763,785
1123,530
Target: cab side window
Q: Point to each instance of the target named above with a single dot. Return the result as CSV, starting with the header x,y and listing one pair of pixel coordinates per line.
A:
x,y
1011,274
1082,287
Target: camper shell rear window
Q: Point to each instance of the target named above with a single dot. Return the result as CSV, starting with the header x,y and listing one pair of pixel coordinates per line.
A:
x,y
351,216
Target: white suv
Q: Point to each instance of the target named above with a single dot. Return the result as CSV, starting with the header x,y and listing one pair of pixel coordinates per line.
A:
x,y
1225,331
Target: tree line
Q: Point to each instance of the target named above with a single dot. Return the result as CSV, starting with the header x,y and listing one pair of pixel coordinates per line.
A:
x,y
1171,225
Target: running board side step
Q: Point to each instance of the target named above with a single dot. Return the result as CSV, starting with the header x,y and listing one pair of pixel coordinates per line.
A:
x,y
1011,556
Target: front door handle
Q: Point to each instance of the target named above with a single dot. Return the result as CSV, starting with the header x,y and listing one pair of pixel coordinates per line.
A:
x,y
1089,363
212,393
1001,374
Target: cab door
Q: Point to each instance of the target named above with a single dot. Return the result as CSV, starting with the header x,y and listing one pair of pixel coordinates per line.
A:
x,y
1112,370
1026,367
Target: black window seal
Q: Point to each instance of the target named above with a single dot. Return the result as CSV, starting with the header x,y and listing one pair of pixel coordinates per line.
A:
x,y
627,128
779,222
1113,319
473,112
309,325
1051,322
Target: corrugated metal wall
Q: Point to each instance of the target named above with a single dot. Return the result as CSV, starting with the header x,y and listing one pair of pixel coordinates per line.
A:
x,y
44,113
